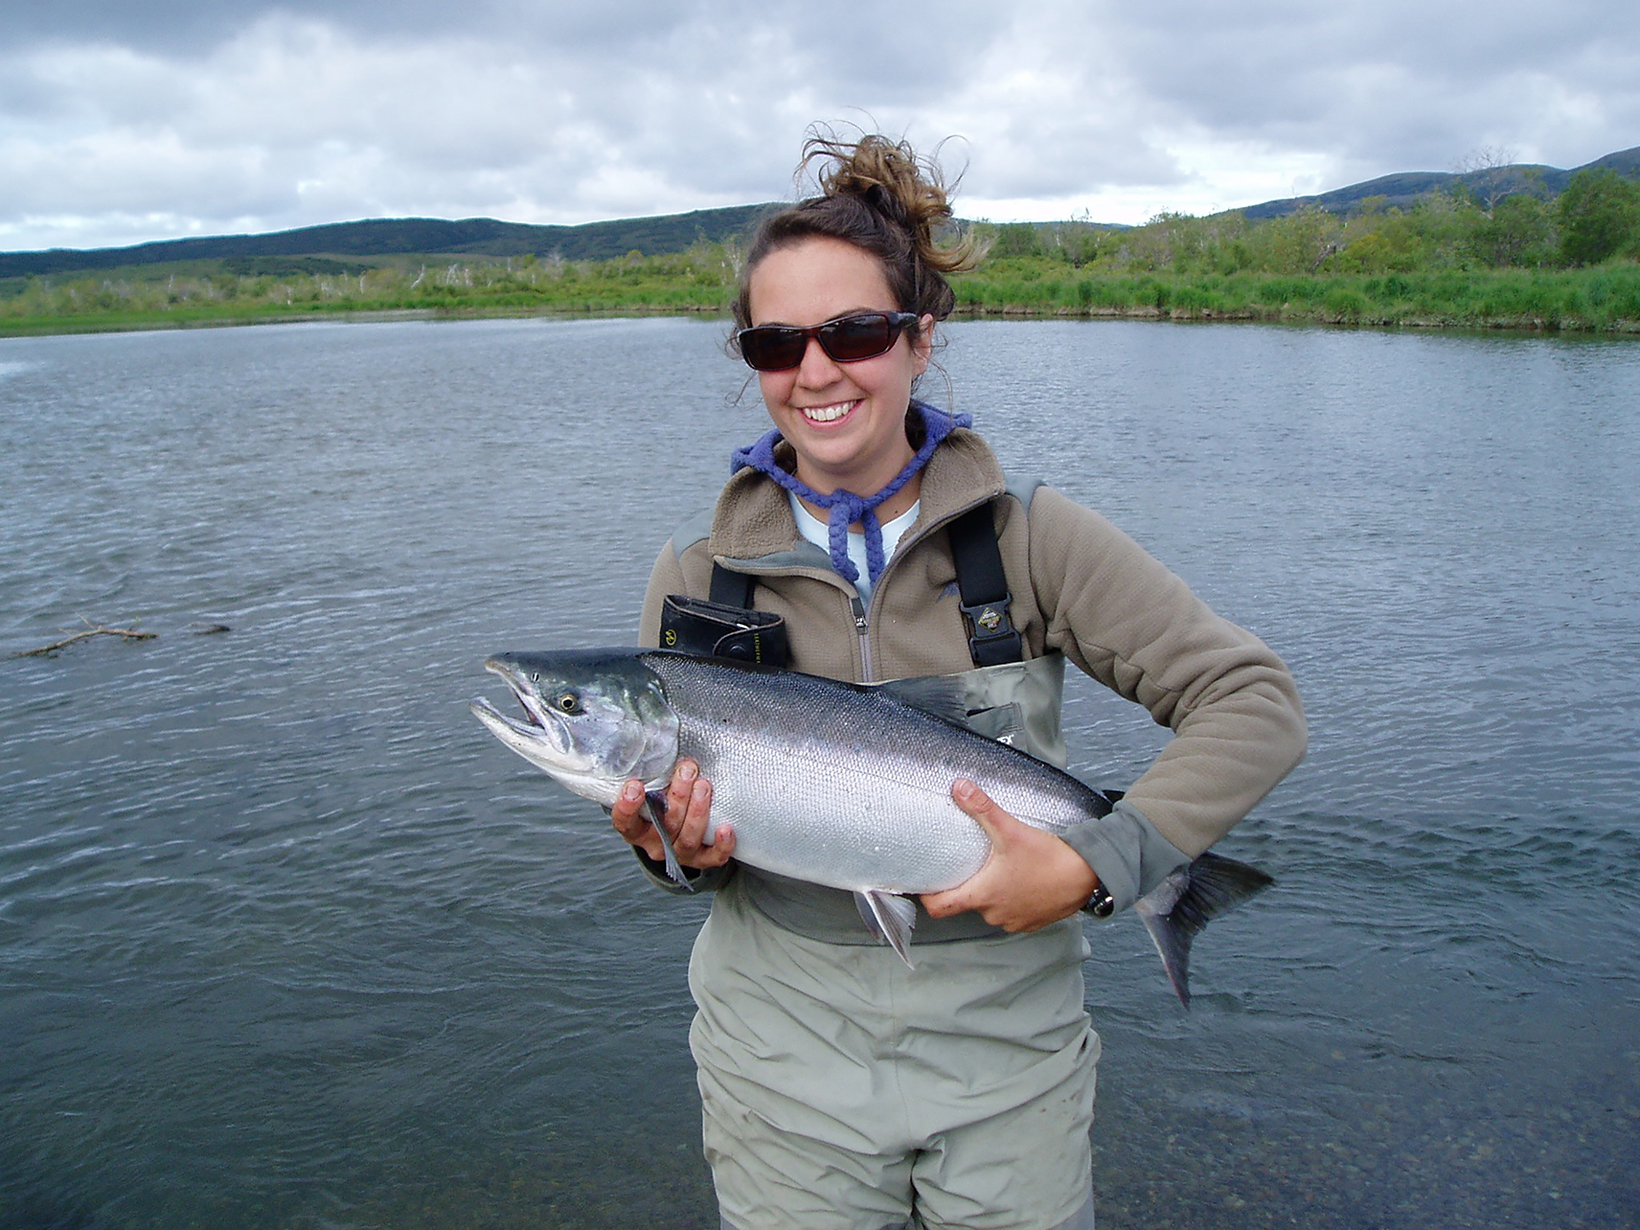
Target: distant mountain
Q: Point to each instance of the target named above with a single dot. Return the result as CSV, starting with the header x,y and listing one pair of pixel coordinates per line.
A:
x,y
1405,188
409,236
326,249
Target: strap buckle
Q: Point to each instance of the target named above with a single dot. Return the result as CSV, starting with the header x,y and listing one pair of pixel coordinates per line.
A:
x,y
992,637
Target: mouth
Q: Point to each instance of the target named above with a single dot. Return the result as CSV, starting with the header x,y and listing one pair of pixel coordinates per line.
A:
x,y
534,726
821,415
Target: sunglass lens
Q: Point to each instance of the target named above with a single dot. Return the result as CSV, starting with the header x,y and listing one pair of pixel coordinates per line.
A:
x,y
771,348
857,337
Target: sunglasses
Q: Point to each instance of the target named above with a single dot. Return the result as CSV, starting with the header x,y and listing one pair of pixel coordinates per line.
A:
x,y
848,339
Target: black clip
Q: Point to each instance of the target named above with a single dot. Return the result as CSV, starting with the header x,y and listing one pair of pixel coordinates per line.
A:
x,y
992,637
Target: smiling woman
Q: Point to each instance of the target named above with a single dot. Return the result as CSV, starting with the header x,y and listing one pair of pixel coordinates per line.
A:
x,y
839,1087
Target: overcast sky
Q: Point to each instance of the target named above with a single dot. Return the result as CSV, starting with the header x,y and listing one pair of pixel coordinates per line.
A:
x,y
122,122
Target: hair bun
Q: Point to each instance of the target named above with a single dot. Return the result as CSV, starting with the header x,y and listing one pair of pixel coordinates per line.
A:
x,y
889,177
878,195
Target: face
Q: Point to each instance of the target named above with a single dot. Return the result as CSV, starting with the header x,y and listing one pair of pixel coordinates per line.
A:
x,y
846,421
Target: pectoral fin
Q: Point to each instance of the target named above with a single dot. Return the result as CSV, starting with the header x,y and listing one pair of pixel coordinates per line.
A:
x,y
655,802
890,917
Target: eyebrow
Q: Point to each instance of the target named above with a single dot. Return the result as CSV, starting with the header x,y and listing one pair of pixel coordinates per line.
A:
x,y
843,315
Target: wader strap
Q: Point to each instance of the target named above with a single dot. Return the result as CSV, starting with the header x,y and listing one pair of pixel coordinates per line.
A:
x,y
992,638
732,588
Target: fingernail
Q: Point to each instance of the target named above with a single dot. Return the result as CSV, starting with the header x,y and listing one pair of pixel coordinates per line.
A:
x,y
631,793
687,770
964,788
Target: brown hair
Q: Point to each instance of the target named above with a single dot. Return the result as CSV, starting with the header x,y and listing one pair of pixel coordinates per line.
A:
x,y
880,197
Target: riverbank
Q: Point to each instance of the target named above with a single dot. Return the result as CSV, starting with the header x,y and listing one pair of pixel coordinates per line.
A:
x,y
1604,299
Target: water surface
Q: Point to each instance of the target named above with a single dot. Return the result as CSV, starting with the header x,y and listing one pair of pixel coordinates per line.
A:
x,y
287,939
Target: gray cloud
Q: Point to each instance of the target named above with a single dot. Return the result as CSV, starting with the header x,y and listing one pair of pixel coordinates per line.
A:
x,y
121,123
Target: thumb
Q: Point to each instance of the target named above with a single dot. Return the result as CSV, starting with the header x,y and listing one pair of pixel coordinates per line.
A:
x,y
999,826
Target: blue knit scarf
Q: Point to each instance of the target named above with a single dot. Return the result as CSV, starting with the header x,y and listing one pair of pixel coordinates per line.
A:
x,y
844,508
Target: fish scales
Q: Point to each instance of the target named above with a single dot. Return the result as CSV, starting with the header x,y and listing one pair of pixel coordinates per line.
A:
x,y
852,788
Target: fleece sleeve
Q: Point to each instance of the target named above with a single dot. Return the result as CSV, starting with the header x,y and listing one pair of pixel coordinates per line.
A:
x,y
1237,722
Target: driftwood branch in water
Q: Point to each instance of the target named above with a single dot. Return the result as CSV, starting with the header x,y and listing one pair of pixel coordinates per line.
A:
x,y
130,634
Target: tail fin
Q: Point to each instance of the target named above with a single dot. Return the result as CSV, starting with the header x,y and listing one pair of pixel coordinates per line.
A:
x,y
1177,909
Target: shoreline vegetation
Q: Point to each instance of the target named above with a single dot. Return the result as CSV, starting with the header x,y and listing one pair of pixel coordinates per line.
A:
x,y
1452,260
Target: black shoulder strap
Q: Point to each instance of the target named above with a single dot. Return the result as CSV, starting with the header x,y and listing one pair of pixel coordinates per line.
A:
x,y
992,637
732,588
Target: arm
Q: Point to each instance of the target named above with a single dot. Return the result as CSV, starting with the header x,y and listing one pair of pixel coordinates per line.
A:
x,y
1231,703
1237,722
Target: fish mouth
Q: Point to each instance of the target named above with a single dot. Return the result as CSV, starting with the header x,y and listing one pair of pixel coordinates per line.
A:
x,y
538,726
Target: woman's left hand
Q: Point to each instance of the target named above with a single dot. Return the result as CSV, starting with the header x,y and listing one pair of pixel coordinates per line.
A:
x,y
1031,879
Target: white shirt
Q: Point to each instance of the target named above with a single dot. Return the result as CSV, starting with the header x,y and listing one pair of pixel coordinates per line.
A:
x,y
819,533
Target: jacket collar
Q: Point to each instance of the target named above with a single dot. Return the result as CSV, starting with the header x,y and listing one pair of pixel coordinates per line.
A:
x,y
753,517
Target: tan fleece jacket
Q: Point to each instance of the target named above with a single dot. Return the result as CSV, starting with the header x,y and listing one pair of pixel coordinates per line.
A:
x,y
1079,585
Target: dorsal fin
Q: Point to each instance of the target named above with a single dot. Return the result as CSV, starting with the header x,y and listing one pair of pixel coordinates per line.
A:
x,y
944,696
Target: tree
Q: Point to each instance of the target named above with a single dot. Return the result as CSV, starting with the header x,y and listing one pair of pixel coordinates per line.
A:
x,y
1489,175
1016,239
1599,214
1519,232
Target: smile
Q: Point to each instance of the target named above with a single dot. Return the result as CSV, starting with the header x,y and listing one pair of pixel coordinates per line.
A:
x,y
828,414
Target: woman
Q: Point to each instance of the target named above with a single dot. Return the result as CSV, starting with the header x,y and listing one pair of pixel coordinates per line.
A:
x,y
839,1087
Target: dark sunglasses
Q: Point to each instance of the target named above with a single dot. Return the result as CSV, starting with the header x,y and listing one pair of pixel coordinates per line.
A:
x,y
848,339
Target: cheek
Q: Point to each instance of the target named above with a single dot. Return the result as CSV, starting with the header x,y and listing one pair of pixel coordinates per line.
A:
x,y
776,387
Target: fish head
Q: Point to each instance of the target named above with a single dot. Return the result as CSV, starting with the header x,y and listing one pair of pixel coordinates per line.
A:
x,y
592,719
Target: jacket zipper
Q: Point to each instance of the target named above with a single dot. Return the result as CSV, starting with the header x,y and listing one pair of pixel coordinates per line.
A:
x,y
863,630
862,627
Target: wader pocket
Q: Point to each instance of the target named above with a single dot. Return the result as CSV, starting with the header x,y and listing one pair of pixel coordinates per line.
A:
x,y
715,629
1003,723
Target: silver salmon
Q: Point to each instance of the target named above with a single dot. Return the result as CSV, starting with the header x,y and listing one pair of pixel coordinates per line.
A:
x,y
834,783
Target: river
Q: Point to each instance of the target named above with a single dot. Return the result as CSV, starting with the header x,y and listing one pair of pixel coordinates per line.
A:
x,y
287,939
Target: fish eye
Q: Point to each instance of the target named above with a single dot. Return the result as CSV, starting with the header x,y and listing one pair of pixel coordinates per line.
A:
x,y
567,702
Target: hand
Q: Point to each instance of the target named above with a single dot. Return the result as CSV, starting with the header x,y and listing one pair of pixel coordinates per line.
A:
x,y
688,808
1031,879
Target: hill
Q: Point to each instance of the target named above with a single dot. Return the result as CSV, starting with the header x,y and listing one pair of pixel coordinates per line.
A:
x,y
1404,189
353,247
380,237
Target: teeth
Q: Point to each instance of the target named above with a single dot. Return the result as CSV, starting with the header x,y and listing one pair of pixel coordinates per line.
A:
x,y
827,414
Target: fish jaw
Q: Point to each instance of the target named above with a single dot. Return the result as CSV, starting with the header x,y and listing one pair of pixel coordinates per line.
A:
x,y
591,721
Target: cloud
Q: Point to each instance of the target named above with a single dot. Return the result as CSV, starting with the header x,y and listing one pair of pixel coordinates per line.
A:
x,y
121,123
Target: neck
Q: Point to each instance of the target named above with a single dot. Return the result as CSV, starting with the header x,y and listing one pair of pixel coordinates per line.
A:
x,y
842,507
890,508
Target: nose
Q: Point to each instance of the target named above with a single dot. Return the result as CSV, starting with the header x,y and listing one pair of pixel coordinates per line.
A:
x,y
817,368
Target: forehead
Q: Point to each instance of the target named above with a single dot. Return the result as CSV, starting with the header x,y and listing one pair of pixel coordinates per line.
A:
x,y
815,279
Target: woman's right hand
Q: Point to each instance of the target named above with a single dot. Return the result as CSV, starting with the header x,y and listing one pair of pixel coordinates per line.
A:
x,y
688,809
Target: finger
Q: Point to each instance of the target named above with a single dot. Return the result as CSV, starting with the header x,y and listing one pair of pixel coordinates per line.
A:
x,y
690,835
624,813
719,852
678,794
691,844
632,823
968,895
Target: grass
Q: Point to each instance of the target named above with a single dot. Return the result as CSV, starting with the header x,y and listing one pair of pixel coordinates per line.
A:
x,y
1602,299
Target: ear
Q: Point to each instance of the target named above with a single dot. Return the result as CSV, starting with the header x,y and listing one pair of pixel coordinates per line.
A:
x,y
923,348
